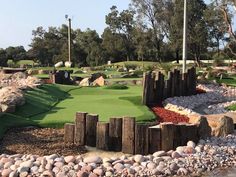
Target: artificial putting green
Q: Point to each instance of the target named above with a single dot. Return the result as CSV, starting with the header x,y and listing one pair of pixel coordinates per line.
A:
x,y
54,105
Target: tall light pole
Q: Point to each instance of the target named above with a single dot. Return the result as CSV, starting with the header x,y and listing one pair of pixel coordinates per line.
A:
x,y
185,37
69,38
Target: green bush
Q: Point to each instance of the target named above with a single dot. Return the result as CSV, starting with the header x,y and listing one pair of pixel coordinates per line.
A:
x,y
131,66
117,87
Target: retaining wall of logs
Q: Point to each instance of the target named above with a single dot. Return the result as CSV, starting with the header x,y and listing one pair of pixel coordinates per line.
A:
x,y
156,88
124,134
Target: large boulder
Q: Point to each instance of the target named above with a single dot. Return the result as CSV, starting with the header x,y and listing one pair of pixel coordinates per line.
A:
x,y
204,130
84,83
59,64
96,76
68,64
99,82
224,127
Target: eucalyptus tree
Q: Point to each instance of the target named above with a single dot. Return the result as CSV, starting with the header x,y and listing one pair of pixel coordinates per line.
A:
x,y
123,24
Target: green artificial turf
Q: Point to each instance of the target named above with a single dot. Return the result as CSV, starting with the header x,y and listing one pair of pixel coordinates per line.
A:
x,y
232,107
54,105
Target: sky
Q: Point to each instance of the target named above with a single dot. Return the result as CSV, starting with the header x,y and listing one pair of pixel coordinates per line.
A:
x,y
19,17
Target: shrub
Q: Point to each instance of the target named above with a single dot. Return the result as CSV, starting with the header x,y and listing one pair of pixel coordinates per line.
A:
x,y
117,87
131,66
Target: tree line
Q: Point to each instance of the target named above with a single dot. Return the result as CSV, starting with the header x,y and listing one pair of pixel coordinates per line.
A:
x,y
150,30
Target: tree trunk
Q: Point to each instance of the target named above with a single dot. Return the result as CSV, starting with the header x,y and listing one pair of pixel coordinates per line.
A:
x,y
177,55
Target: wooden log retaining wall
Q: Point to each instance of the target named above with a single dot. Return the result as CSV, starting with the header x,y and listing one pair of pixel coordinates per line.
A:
x,y
156,88
126,135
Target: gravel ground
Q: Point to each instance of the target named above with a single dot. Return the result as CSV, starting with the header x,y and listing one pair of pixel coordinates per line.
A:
x,y
207,157
38,141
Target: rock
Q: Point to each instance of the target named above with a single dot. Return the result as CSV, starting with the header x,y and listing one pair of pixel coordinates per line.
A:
x,y
52,157
173,166
69,159
189,150
93,175
95,76
24,174
157,160
13,174
191,144
8,108
99,82
159,153
59,164
180,149
34,169
98,171
48,173
84,83
119,167
59,64
139,158
225,127
175,155
151,166
94,159
204,130
82,174
109,173
68,64
182,171
87,168
6,172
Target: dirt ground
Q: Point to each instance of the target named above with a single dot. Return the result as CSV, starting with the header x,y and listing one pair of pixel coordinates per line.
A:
x,y
37,141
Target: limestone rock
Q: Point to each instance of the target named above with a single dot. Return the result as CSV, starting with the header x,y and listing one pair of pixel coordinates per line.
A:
x,y
225,127
84,82
99,82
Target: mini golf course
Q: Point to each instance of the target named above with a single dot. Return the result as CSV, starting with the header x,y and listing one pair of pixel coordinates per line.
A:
x,y
54,105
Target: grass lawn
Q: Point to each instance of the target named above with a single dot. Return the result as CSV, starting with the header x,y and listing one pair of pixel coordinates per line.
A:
x,y
54,105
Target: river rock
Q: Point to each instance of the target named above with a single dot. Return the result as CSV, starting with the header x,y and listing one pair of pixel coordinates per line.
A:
x,y
69,159
159,153
139,158
94,159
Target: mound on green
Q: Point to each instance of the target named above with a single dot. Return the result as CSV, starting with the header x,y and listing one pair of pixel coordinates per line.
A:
x,y
54,105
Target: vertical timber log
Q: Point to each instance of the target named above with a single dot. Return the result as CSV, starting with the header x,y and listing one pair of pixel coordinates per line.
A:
x,y
80,126
91,129
184,80
128,135
162,86
154,139
115,134
145,88
177,83
167,136
192,133
102,139
69,133
141,139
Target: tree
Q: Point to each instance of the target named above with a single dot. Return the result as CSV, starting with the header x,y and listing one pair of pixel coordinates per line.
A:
x,y
156,15
197,38
90,42
113,45
228,12
215,25
16,53
3,57
123,24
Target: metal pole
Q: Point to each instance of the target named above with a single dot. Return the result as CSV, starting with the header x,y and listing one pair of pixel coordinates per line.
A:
x,y
185,37
69,40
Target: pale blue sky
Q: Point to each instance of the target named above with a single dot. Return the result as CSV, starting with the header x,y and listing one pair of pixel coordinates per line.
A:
x,y
19,17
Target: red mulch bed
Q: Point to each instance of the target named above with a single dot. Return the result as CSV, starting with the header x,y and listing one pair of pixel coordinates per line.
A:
x,y
171,116
168,116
